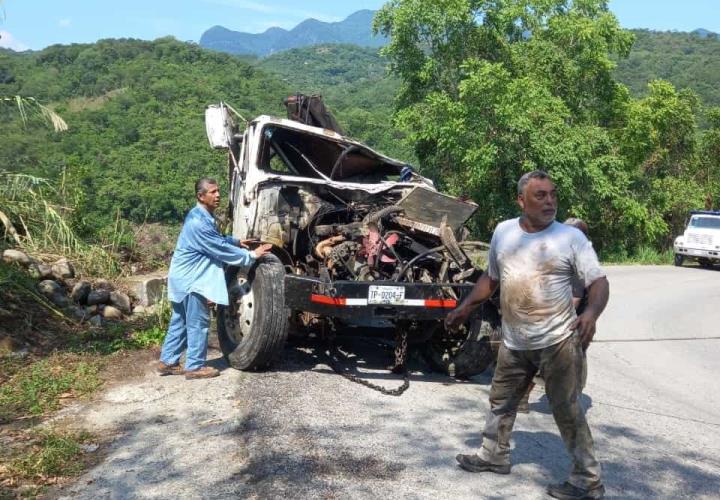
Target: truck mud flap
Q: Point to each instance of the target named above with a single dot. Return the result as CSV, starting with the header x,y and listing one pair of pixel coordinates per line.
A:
x,y
378,299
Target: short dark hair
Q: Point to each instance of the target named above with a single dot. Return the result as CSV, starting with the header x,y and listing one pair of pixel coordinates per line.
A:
x,y
535,174
201,185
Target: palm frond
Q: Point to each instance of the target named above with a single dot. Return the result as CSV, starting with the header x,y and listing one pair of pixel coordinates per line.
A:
x,y
29,106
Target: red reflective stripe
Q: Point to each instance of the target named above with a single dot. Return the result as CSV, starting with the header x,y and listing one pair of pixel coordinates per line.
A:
x,y
324,299
445,303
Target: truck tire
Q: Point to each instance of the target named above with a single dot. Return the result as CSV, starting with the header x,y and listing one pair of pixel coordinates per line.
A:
x,y
678,261
706,263
253,328
470,356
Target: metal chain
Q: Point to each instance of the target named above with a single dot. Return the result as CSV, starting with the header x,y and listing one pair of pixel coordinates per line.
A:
x,y
400,358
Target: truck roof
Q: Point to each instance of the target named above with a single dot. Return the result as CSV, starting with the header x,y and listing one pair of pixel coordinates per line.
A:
x,y
705,212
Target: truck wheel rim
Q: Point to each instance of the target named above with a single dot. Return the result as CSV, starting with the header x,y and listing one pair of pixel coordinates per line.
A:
x,y
238,322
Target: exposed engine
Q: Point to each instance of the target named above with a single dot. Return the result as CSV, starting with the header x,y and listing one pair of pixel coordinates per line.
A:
x,y
384,237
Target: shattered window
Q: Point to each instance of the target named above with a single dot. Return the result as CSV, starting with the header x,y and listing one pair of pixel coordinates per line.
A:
x,y
293,152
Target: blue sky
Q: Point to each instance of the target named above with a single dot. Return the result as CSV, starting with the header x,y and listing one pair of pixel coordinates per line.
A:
x,y
35,24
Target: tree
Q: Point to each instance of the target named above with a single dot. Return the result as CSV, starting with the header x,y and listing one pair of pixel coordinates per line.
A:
x,y
709,174
491,90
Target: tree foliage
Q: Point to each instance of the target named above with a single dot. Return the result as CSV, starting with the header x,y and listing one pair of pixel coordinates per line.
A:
x,y
137,140
491,90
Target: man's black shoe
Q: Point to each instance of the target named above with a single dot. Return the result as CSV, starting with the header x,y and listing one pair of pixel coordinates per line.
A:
x,y
567,491
473,463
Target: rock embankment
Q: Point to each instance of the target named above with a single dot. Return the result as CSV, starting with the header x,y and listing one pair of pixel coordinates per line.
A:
x,y
88,301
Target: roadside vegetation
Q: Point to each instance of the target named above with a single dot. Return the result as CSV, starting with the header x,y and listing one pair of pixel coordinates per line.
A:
x,y
47,361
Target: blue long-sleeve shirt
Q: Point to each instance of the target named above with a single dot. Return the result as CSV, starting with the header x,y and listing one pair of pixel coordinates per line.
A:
x,y
196,265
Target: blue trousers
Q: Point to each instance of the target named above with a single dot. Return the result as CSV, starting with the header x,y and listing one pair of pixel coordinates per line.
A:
x,y
188,329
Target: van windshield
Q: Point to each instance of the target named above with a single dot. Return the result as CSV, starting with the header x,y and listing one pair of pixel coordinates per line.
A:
x,y
705,222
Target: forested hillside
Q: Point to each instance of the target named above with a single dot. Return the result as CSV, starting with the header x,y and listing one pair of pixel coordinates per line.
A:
x,y
355,84
137,141
687,60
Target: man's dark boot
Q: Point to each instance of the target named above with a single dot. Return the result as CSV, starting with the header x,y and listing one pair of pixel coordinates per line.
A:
x,y
567,491
473,463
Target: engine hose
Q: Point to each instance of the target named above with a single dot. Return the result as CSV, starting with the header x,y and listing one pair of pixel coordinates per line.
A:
x,y
375,216
412,261
382,247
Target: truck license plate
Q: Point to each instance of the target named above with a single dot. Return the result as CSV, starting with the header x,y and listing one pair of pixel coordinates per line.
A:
x,y
393,295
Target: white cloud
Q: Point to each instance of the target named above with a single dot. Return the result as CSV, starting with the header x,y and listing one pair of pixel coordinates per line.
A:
x,y
65,23
7,41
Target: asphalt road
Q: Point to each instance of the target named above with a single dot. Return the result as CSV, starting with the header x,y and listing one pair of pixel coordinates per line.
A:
x,y
301,431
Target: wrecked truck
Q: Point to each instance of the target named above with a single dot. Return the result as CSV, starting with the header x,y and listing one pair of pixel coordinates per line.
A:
x,y
361,243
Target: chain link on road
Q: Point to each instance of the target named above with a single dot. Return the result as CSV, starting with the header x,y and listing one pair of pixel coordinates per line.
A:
x,y
399,367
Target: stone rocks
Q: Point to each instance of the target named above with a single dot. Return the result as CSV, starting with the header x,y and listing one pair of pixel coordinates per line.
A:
x,y
83,300
10,256
98,297
147,288
111,312
121,301
80,292
45,271
53,292
103,284
49,287
78,312
63,269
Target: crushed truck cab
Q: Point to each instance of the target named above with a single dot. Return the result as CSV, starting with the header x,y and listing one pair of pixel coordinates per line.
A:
x,y
360,241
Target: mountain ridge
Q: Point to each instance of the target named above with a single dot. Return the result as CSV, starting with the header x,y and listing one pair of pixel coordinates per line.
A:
x,y
354,29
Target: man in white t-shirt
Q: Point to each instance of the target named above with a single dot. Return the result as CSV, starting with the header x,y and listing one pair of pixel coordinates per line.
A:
x,y
534,260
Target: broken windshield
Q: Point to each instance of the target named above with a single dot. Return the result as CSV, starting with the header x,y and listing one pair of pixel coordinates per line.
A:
x,y
298,153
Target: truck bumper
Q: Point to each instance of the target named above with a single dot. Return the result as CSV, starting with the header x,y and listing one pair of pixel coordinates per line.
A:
x,y
356,300
697,253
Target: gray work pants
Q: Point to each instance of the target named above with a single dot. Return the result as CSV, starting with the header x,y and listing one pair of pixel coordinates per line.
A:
x,y
561,365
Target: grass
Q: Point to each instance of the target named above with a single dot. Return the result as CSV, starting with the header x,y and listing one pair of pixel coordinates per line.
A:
x,y
34,215
52,454
37,388
40,457
642,256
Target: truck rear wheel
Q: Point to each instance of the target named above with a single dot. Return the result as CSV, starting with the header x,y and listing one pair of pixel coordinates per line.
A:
x,y
253,328
678,260
471,356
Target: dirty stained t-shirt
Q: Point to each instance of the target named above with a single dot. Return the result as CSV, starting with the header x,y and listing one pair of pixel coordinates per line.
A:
x,y
536,273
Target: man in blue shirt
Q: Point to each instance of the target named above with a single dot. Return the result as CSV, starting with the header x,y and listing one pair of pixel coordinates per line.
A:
x,y
196,278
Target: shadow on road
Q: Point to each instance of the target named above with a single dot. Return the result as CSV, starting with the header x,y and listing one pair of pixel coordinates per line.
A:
x,y
300,434
366,357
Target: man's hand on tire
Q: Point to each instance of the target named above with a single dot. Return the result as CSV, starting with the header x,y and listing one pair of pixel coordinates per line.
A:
x,y
456,318
262,250
247,243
